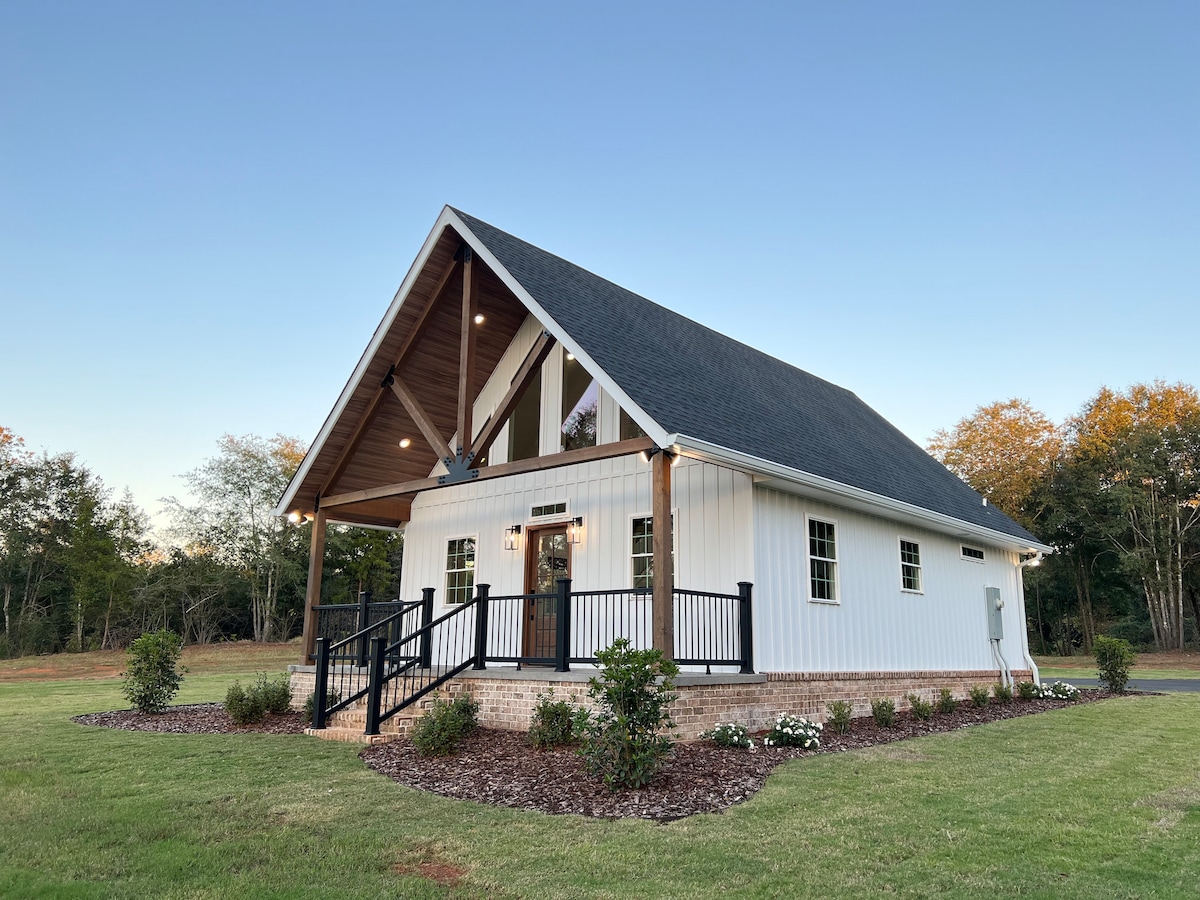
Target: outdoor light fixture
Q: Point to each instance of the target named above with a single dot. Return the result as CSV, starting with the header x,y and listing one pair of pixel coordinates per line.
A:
x,y
575,530
512,537
405,443
294,517
570,357
647,455
478,318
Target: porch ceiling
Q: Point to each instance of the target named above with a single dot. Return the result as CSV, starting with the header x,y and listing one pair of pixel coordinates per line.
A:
x,y
363,446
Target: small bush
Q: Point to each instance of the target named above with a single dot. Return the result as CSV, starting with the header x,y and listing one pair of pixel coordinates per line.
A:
x,y
883,712
922,709
840,712
246,706
1027,690
1002,692
310,704
152,675
946,702
1114,659
794,731
979,696
625,743
730,735
555,723
1059,690
438,732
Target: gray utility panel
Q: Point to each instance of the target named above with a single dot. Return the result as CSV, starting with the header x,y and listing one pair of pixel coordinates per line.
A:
x,y
995,607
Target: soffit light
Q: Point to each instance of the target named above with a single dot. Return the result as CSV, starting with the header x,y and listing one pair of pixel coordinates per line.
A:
x,y
479,318
405,443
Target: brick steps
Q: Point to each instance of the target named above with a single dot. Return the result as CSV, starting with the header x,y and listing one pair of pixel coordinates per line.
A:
x,y
349,724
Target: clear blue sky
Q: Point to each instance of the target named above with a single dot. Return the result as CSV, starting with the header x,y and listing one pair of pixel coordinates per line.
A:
x,y
206,208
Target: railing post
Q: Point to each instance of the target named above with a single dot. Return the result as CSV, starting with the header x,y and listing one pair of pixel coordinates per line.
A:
x,y
364,599
481,626
426,648
562,627
375,686
320,682
745,589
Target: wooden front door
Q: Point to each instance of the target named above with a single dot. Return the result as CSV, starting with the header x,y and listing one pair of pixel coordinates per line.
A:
x,y
547,559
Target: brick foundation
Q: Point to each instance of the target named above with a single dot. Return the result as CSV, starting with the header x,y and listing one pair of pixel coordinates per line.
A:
x,y
506,696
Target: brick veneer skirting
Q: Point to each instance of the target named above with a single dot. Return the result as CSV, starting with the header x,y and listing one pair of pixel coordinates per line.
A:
x,y
506,696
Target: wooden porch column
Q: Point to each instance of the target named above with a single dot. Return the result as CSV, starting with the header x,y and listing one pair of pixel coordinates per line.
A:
x,y
312,594
664,571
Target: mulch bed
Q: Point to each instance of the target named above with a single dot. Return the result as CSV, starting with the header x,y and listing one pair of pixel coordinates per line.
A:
x,y
196,718
500,767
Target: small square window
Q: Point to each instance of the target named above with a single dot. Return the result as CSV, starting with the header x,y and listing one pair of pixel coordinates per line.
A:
x,y
972,553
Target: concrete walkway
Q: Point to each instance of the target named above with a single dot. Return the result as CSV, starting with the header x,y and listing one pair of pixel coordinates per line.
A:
x,y
1191,685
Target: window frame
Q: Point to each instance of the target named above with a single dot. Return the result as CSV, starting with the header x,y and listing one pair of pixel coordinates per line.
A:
x,y
981,559
447,571
918,565
633,517
836,600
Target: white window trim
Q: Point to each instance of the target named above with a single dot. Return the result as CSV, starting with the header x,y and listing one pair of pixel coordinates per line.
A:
x,y
962,555
629,542
920,567
837,561
446,604
549,518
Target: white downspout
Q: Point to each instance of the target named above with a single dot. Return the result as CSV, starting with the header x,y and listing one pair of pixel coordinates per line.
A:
x,y
1035,560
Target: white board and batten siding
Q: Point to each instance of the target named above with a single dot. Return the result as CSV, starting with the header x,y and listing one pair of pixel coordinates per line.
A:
x,y
713,526
876,626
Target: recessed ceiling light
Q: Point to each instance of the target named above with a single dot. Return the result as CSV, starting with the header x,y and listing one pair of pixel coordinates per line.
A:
x,y
405,443
570,356
478,318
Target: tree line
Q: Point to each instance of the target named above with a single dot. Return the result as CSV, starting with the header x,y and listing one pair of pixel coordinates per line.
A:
x,y
1115,489
81,569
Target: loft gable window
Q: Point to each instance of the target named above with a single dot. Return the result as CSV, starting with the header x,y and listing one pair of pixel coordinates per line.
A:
x,y
580,398
525,423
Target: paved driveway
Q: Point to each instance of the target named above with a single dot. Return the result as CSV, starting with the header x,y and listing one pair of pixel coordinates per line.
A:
x,y
1143,684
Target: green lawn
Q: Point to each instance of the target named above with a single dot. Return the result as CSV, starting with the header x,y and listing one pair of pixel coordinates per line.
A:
x,y
1149,666
1094,801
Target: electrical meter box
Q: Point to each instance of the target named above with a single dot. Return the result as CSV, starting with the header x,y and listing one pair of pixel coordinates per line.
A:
x,y
995,614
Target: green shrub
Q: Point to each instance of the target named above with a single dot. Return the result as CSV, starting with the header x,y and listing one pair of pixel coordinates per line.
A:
x,y
1027,690
922,709
310,704
794,731
1002,692
246,706
555,723
152,674
884,712
979,696
840,712
946,702
624,743
438,732
730,735
1114,659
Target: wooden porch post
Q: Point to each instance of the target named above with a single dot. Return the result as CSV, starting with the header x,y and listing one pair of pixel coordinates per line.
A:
x,y
664,570
312,594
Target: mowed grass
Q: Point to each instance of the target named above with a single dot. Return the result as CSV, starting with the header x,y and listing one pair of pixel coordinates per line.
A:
x,y
1149,666
233,657
1101,800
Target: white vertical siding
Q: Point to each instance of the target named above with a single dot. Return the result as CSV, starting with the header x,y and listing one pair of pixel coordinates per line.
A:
x,y
713,509
876,626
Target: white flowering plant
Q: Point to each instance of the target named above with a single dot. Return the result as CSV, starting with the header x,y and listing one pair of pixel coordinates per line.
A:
x,y
794,731
1059,690
730,734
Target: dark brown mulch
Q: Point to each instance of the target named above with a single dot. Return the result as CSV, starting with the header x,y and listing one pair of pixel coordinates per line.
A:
x,y
196,718
500,768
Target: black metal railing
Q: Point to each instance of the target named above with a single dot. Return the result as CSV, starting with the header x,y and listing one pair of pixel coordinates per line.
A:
x,y
341,620
408,658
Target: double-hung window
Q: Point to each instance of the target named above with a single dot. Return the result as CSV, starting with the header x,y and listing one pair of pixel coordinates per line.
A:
x,y
460,569
642,551
910,566
822,561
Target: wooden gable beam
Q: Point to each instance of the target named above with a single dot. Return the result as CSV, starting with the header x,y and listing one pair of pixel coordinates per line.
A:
x,y
372,410
536,464
528,370
417,411
466,355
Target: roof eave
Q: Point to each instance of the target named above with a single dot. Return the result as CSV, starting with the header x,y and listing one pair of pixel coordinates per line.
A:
x,y
849,496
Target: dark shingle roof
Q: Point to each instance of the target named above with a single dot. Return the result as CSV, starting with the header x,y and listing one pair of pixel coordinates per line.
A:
x,y
697,382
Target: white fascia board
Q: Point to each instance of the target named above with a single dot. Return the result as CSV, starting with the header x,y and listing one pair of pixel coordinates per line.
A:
x,y
653,430
289,494
785,478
